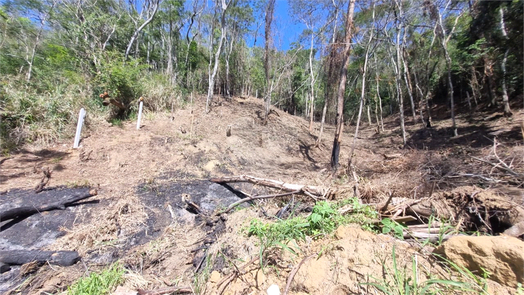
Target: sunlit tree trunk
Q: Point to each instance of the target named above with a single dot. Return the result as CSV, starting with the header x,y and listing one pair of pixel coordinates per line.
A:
x,y
267,60
213,74
154,9
505,98
335,153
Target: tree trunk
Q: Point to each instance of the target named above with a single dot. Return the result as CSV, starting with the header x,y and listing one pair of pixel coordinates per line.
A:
x,y
342,86
444,41
398,77
212,75
408,81
267,62
380,103
327,90
312,77
362,98
505,98
135,34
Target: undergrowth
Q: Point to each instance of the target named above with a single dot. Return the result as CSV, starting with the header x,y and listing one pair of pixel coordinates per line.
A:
x,y
98,283
323,220
404,281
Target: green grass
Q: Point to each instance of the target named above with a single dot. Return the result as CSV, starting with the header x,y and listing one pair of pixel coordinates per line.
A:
x,y
323,220
99,283
403,281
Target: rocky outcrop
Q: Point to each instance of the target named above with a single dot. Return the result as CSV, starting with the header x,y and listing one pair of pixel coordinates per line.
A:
x,y
502,257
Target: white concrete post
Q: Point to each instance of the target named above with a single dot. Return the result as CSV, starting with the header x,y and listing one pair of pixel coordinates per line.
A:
x,y
79,125
139,114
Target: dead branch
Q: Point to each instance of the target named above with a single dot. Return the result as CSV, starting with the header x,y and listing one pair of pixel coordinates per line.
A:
x,y
45,179
289,187
176,290
239,271
294,272
19,257
255,198
26,211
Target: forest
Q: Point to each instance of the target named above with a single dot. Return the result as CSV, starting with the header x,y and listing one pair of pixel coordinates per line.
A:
x,y
354,61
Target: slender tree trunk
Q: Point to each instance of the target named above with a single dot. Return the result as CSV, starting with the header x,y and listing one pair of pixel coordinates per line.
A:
x,y
212,75
421,94
380,103
135,34
408,81
327,91
228,81
342,86
398,77
267,61
444,41
362,99
369,115
505,98
312,77
31,60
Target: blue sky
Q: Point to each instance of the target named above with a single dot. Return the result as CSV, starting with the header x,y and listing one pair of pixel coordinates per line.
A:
x,y
285,29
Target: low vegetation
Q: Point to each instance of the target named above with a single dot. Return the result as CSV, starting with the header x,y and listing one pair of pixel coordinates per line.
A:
x,y
99,283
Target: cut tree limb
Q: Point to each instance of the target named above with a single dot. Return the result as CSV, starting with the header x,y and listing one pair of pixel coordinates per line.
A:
x,y
26,211
19,257
176,290
256,198
289,187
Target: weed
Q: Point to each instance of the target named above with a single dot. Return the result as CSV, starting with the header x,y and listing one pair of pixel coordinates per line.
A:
x,y
391,226
98,283
323,220
117,122
200,279
405,282
78,184
479,283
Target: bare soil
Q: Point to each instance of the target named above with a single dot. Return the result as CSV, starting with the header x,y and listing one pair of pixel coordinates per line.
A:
x,y
146,178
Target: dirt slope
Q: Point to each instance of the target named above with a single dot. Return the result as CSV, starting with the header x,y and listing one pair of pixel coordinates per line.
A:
x,y
144,176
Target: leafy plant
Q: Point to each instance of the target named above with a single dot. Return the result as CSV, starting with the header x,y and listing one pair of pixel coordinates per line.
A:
x,y
98,283
398,281
391,226
323,220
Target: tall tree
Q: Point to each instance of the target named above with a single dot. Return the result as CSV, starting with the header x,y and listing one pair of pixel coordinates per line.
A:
x,y
335,153
212,74
149,9
267,56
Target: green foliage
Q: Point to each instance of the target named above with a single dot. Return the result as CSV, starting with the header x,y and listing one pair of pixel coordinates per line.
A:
x,y
98,283
391,226
402,281
323,220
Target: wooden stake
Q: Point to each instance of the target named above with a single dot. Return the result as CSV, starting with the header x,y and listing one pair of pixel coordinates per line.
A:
x,y
79,125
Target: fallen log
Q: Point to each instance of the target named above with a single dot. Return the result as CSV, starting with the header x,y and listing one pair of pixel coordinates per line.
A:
x,y
19,257
25,211
288,187
170,290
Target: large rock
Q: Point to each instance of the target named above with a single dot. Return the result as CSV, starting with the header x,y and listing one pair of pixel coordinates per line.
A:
x,y
502,256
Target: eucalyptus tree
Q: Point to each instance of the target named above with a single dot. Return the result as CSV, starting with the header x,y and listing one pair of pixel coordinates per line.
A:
x,y
221,7
169,22
238,20
270,8
140,20
342,85
309,13
39,11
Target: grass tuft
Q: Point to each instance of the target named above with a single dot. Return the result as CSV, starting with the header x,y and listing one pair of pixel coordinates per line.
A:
x,y
98,283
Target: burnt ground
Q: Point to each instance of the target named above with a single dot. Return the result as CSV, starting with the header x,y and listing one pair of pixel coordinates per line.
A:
x,y
148,179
